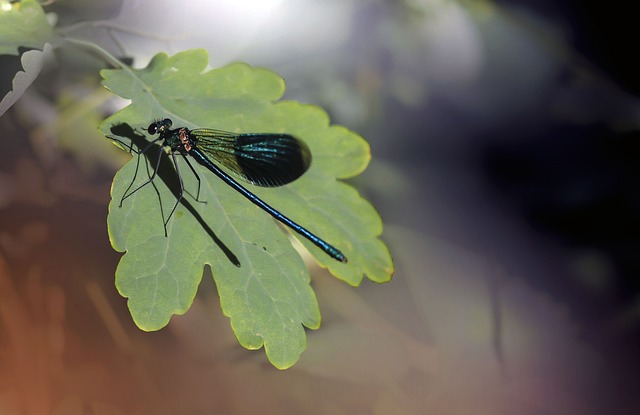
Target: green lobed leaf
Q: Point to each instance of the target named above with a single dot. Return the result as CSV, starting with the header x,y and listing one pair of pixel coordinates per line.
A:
x,y
23,24
262,281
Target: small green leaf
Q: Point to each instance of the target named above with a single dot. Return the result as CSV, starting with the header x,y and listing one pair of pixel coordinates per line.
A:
x,y
262,281
23,24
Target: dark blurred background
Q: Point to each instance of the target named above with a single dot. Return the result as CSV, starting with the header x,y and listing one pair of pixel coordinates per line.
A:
x,y
504,139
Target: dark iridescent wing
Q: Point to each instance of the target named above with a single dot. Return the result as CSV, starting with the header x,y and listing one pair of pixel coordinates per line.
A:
x,y
267,160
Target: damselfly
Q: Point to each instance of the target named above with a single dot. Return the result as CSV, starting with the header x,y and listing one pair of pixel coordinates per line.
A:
x,y
262,159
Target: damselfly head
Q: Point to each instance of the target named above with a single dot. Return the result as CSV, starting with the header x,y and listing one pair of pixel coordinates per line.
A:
x,y
159,126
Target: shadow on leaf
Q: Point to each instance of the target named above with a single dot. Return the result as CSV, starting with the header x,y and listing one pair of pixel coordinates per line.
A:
x,y
167,173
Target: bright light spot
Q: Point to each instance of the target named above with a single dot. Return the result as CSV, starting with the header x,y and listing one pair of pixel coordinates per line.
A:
x,y
240,11
228,28
256,7
259,30
5,6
